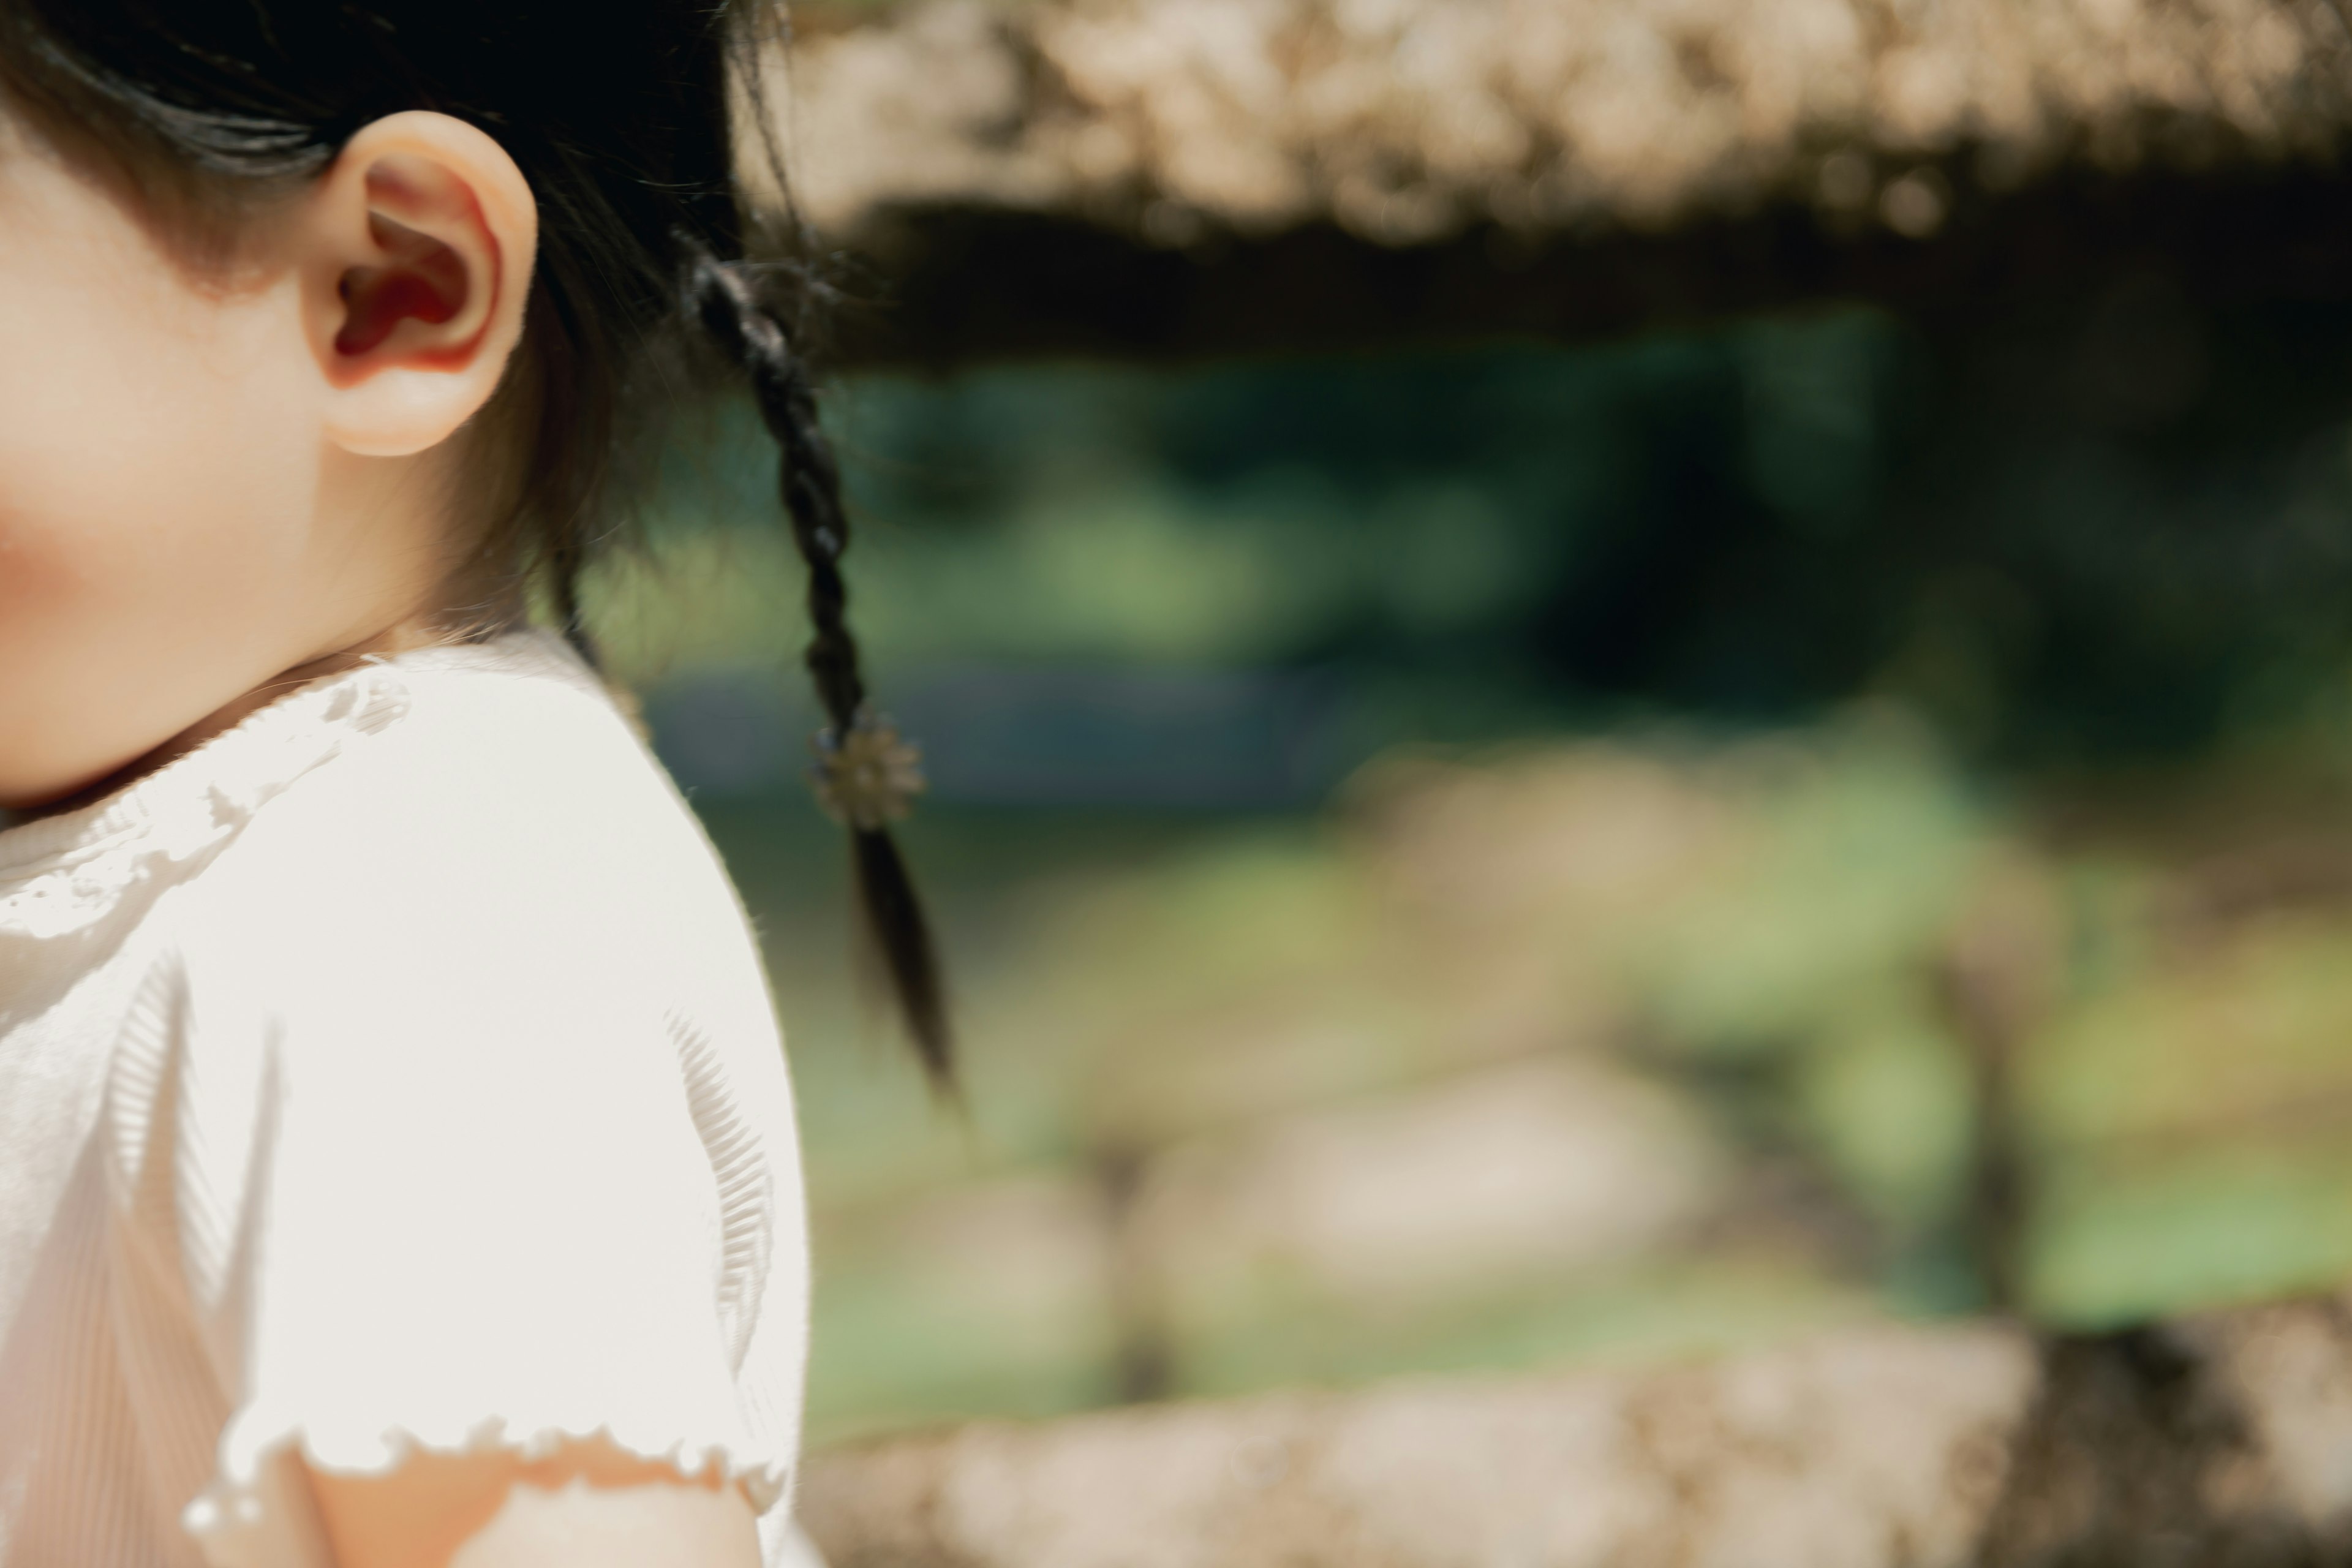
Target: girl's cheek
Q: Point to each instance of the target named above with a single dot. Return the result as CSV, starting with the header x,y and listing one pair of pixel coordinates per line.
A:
x,y
154,478
112,639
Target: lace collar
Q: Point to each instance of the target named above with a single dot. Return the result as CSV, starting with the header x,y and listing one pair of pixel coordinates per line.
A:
x,y
59,873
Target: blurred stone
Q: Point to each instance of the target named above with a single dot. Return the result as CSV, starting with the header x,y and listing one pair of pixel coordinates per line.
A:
x,y
1822,1458
2218,1441
1025,173
1915,205
1516,1172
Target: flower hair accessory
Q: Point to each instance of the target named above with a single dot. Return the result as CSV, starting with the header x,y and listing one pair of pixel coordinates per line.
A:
x,y
868,777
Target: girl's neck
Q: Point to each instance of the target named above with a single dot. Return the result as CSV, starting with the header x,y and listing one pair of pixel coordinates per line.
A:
x,y
418,632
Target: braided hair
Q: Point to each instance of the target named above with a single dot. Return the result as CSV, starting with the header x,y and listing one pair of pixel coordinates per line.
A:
x,y
206,112
728,305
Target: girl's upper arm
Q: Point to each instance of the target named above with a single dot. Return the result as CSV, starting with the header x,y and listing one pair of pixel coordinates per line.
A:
x,y
452,1185
589,1505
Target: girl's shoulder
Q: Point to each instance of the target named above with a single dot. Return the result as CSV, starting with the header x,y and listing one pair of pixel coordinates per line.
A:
x,y
507,774
453,1069
505,826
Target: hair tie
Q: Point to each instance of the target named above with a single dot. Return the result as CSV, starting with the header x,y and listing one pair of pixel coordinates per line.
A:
x,y
868,777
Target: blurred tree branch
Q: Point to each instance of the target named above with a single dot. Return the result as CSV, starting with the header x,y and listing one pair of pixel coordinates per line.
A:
x,y
2218,1440
1205,176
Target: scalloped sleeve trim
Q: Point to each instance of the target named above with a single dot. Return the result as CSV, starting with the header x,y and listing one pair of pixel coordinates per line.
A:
x,y
259,1513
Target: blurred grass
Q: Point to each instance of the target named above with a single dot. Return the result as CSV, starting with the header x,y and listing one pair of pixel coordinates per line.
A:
x,y
1211,994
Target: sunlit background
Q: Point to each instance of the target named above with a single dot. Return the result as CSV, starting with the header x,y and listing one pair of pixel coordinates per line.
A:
x,y
1518,855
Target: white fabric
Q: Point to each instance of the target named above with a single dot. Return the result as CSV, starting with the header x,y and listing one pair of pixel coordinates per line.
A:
x,y
394,1070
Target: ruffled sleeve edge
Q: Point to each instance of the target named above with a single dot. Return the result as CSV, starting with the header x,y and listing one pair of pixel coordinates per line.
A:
x,y
242,1519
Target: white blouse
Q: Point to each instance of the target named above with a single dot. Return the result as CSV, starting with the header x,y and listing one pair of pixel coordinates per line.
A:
x,y
394,1071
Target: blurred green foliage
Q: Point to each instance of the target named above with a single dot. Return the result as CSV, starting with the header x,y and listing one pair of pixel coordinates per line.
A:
x,y
2113,528
1749,743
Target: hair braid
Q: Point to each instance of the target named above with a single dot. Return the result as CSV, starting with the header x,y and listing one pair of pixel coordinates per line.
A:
x,y
723,298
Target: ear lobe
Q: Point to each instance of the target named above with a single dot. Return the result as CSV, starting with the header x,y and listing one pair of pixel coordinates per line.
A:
x,y
420,244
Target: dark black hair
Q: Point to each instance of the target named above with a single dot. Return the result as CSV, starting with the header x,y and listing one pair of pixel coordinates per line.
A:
x,y
619,116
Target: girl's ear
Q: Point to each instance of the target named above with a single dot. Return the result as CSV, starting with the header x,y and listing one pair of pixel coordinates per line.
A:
x,y
415,261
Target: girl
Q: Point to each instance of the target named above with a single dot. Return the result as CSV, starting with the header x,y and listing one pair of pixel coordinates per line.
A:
x,y
396,1158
